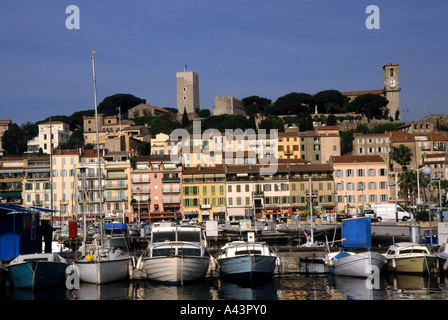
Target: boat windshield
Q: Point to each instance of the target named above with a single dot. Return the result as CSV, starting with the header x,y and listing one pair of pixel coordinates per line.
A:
x,y
167,252
163,236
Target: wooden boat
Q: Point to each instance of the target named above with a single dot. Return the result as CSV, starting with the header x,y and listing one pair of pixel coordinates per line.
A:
x,y
103,265
409,257
176,255
37,270
246,260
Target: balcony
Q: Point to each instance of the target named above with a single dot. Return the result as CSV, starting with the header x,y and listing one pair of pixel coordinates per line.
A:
x,y
122,176
116,186
168,180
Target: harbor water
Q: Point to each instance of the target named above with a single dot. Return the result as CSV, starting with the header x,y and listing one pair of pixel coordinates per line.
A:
x,y
290,286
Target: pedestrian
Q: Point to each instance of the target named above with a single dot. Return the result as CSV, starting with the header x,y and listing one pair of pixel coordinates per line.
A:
x,y
47,233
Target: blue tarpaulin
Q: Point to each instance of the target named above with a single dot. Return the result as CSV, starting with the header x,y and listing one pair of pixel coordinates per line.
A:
x,y
357,233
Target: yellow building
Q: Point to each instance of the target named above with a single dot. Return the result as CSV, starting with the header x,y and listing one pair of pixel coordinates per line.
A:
x,y
203,192
65,183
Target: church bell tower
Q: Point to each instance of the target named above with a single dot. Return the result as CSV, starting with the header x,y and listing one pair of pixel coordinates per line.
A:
x,y
392,90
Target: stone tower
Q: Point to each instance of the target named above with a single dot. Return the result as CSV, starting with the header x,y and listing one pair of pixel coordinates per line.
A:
x,y
187,92
392,90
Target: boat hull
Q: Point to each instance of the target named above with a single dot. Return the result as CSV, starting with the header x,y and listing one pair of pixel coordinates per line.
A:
x,y
357,265
176,270
103,271
248,266
38,274
412,265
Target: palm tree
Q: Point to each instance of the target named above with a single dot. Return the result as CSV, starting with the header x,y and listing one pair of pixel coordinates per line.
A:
x,y
407,181
402,155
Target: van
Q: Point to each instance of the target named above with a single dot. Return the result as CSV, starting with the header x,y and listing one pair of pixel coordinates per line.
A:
x,y
386,212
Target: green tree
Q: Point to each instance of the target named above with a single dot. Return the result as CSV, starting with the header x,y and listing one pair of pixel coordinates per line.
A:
x,y
401,155
30,130
109,106
368,104
255,104
292,103
330,101
185,121
75,141
14,140
272,122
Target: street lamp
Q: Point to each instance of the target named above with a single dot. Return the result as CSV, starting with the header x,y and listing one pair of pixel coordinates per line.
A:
x,y
419,200
361,187
440,198
427,172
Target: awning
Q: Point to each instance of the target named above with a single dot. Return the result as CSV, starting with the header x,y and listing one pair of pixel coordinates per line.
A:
x,y
11,171
38,170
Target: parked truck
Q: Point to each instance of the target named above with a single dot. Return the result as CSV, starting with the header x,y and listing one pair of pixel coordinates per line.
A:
x,y
386,212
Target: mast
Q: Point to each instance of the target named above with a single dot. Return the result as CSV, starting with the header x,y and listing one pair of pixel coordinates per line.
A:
x,y
311,211
98,149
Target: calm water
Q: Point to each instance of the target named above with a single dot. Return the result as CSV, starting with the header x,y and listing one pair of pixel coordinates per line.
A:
x,y
284,287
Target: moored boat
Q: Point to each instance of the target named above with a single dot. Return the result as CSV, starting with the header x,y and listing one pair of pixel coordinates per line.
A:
x,y
117,236
38,270
410,258
356,233
362,264
246,260
103,265
442,256
176,255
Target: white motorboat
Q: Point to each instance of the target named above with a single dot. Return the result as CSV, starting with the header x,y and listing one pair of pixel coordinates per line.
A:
x,y
176,255
38,270
442,256
246,260
103,265
362,264
409,257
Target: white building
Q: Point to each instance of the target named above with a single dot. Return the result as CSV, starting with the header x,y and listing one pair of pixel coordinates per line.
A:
x,y
57,133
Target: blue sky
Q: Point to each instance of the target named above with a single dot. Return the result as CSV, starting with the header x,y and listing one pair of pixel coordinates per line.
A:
x,y
238,47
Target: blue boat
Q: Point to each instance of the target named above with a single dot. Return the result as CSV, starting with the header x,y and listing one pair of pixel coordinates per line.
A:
x,y
246,260
38,270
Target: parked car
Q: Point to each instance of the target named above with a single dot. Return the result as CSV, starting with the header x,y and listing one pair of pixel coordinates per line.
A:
x,y
341,216
369,213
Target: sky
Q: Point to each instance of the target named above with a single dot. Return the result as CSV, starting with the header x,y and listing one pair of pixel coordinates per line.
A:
x,y
238,48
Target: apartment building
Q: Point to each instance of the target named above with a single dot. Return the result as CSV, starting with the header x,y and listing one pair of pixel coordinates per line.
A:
x,y
360,181
65,183
156,188
371,144
203,192
12,174
55,133
89,177
36,190
117,167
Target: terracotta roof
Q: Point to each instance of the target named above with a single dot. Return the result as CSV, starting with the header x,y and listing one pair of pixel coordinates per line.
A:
x,y
360,158
360,92
200,170
58,152
402,136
